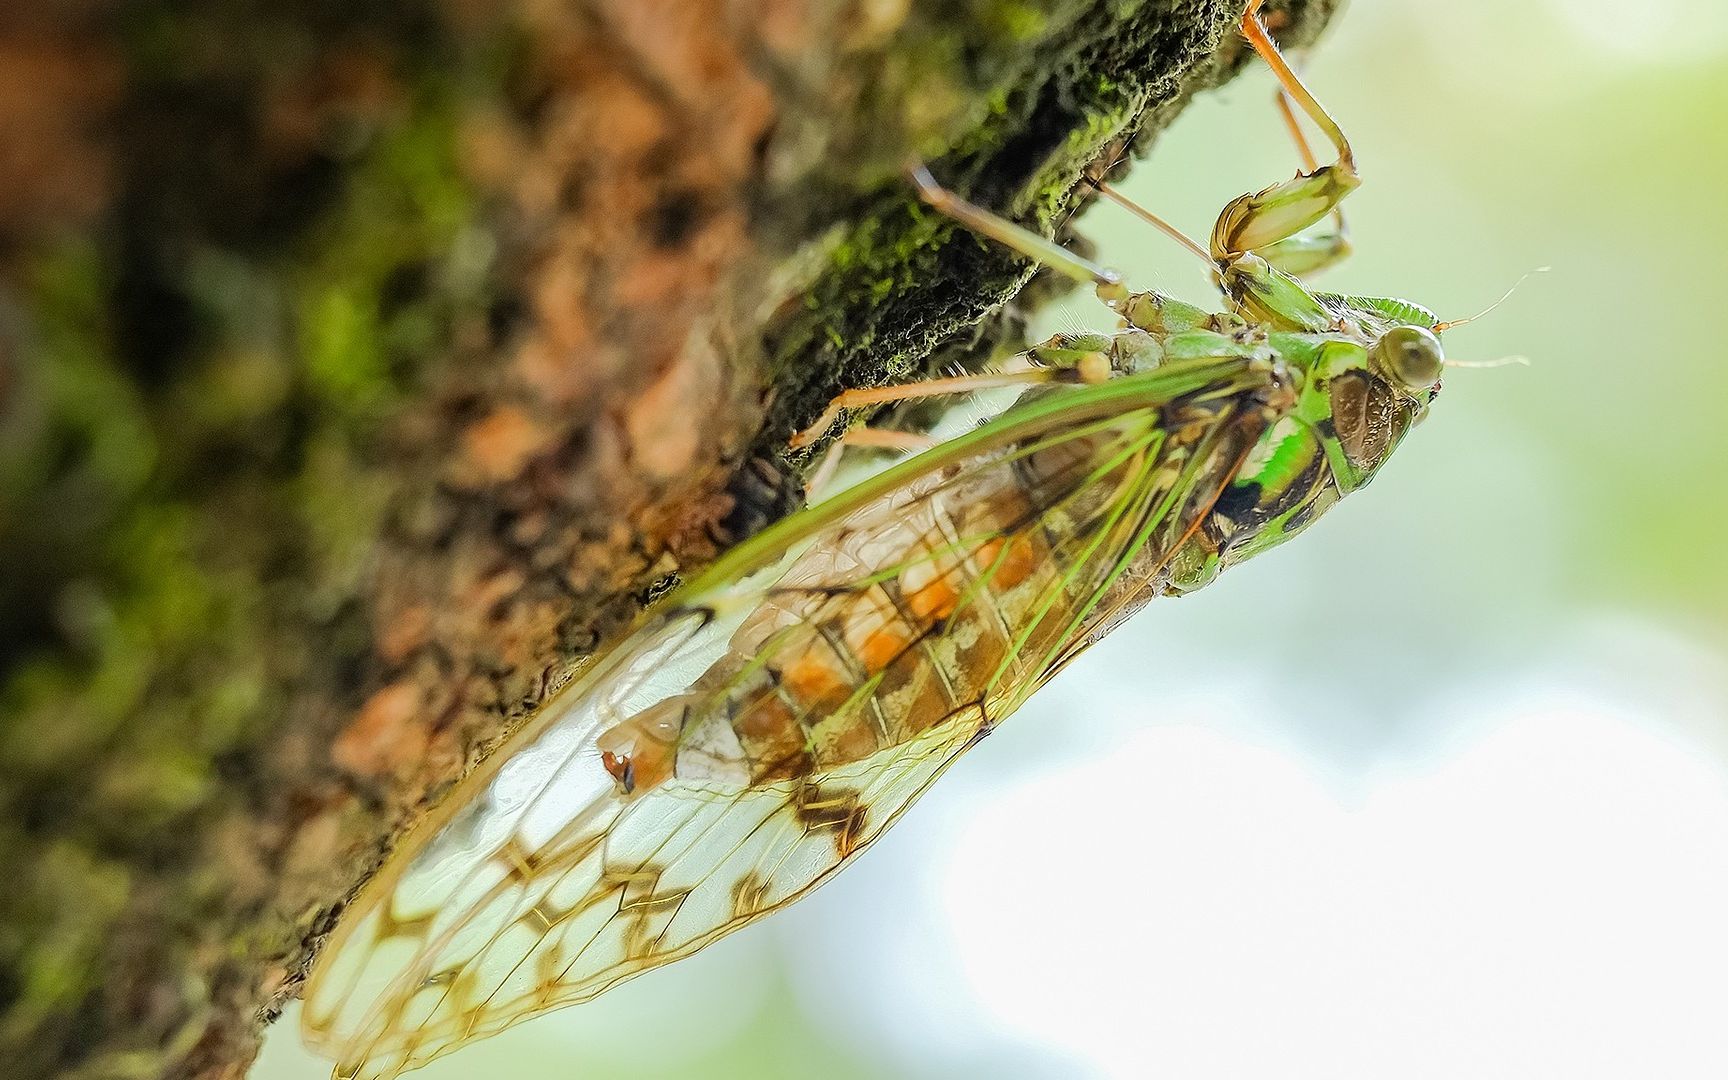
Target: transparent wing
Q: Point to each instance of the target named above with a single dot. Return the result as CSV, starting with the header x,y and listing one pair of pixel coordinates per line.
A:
x,y
817,681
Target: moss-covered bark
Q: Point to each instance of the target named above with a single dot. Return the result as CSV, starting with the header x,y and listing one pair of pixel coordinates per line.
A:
x,y
363,365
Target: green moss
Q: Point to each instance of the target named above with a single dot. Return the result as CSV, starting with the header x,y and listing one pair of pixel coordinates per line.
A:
x,y
88,406
405,206
114,489
62,908
141,515
1015,20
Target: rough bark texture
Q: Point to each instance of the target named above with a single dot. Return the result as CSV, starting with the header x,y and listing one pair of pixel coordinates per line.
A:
x,y
363,366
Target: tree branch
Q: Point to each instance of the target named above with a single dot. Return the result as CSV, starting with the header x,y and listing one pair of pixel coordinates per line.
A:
x,y
364,366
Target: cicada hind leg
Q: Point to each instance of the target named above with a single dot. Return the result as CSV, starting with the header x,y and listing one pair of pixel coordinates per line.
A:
x,y
1091,367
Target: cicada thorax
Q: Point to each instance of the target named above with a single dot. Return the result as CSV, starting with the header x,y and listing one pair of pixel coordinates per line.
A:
x,y
1185,552
1283,486
962,600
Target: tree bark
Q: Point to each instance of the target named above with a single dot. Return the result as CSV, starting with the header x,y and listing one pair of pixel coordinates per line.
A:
x,y
364,366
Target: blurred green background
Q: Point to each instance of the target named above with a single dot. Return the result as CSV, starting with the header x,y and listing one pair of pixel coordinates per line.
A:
x,y
1439,790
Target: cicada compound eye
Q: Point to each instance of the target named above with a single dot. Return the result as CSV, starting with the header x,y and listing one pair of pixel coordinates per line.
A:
x,y
1412,355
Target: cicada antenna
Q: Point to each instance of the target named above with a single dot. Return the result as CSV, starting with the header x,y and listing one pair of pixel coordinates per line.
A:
x,y
1450,323
1504,361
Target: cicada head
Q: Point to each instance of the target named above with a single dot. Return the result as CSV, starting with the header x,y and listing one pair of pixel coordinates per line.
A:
x,y
1360,392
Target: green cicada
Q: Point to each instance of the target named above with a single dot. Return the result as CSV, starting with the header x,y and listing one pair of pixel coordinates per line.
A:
x,y
766,723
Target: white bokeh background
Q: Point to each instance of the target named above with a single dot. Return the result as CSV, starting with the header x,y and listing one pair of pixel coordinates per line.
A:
x,y
1437,791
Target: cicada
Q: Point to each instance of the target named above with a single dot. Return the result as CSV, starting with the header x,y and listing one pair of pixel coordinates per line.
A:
x,y
771,719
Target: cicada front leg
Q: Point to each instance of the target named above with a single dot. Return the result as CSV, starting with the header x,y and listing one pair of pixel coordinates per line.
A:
x,y
1259,242
1262,222
1323,244
1263,240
